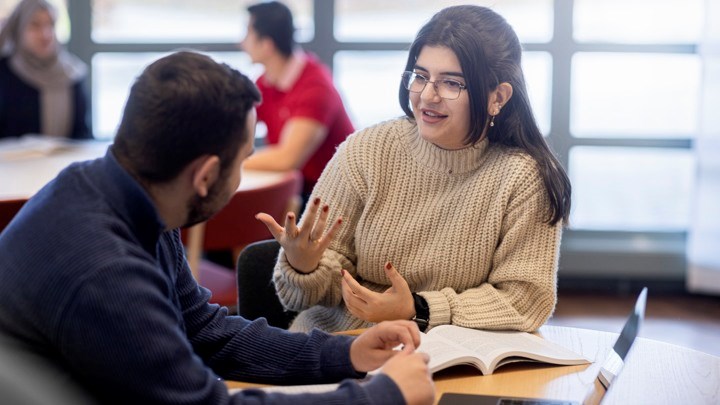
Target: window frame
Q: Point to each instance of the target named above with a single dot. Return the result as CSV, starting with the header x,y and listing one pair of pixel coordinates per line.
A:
x,y
584,253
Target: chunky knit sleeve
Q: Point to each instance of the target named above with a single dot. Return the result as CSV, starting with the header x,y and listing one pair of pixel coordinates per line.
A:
x,y
520,291
342,188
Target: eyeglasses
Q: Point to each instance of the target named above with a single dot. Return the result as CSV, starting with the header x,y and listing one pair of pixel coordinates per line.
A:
x,y
446,88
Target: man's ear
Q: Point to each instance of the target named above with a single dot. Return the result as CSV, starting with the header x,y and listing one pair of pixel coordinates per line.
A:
x,y
205,172
267,46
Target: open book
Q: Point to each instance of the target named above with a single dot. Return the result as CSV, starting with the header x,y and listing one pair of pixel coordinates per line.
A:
x,y
450,345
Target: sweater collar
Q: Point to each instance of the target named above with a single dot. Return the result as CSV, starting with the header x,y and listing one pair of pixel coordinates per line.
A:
x,y
131,202
457,161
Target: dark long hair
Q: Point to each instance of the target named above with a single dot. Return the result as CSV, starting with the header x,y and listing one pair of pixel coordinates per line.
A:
x,y
490,53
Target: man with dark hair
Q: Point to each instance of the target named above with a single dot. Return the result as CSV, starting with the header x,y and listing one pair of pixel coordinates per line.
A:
x,y
94,277
303,112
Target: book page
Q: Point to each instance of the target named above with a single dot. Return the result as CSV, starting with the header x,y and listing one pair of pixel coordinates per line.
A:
x,y
493,346
444,353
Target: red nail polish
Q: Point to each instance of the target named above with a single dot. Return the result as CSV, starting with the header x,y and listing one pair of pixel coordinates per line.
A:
x,y
325,208
388,265
317,201
340,221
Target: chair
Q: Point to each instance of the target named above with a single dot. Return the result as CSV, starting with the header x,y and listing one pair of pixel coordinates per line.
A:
x,y
29,378
234,227
8,209
256,293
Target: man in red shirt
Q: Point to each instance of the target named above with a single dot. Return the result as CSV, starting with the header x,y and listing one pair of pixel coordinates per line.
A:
x,y
301,108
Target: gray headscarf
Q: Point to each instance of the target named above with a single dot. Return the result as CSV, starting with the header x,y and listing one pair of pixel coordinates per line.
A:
x,y
53,76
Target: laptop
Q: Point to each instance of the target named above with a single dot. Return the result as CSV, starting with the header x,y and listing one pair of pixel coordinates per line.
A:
x,y
610,370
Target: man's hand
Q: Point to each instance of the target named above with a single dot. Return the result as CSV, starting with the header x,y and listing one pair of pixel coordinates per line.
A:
x,y
395,303
407,368
411,374
375,346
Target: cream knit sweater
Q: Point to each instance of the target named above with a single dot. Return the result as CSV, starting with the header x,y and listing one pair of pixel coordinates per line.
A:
x,y
464,228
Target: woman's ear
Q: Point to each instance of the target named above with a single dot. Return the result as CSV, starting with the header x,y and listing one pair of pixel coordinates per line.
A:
x,y
205,174
499,97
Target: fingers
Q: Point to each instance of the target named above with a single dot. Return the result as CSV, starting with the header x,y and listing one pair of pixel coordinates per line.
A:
x,y
275,229
291,229
325,242
309,220
352,301
395,278
357,290
312,230
319,227
400,332
409,335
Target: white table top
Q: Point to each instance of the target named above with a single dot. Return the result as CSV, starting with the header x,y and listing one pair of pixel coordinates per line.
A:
x,y
28,163
655,373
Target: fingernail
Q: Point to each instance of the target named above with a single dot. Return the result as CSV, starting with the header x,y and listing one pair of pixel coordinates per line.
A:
x,y
290,216
325,208
339,220
342,272
317,201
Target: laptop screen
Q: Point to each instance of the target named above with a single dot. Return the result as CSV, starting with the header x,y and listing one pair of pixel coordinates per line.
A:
x,y
613,364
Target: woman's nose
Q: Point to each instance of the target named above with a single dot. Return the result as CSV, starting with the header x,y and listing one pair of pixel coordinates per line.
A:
x,y
430,92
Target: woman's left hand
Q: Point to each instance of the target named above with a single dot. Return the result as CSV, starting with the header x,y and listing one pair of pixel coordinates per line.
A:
x,y
395,303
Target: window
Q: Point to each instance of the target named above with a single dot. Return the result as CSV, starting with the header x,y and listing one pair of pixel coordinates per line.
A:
x,y
383,21
636,189
127,35
614,86
114,73
182,21
648,95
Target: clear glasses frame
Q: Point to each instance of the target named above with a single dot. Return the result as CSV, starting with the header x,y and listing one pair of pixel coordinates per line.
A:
x,y
448,89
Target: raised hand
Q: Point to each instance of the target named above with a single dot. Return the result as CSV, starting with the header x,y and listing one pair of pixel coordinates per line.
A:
x,y
304,246
395,303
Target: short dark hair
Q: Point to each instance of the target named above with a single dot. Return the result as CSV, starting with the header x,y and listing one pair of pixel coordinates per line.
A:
x,y
183,106
489,53
275,21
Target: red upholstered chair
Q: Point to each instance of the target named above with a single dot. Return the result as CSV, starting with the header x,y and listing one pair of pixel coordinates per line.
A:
x,y
233,228
8,209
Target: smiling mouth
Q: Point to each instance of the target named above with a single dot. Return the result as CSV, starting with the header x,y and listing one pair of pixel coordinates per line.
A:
x,y
433,114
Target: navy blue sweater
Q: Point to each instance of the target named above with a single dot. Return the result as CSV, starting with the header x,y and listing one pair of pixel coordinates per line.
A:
x,y
91,281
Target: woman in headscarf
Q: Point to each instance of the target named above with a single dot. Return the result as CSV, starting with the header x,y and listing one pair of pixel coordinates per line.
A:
x,y
41,84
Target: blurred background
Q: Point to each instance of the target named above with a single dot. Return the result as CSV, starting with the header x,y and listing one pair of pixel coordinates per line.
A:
x,y
626,91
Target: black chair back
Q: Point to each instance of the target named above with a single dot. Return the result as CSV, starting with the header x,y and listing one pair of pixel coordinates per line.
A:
x,y
257,297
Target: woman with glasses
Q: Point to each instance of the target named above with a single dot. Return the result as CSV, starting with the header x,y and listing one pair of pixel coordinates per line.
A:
x,y
41,85
450,215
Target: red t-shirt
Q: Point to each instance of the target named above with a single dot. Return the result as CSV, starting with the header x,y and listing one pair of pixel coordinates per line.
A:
x,y
314,96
